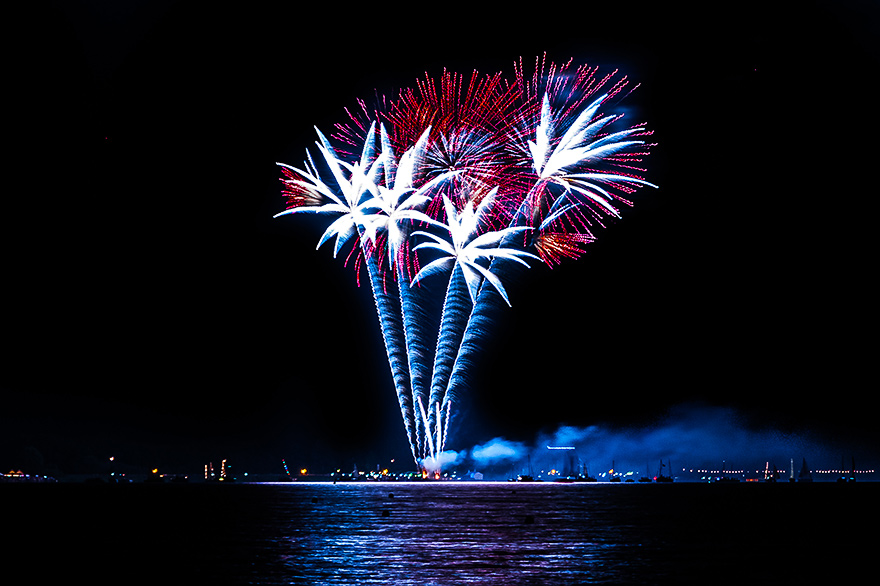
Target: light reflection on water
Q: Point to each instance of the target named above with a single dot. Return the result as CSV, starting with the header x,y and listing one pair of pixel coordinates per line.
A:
x,y
543,534
447,533
452,533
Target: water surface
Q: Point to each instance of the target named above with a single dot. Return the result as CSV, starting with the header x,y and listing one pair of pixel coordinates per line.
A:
x,y
444,533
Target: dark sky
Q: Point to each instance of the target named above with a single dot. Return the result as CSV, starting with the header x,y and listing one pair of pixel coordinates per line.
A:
x,y
154,309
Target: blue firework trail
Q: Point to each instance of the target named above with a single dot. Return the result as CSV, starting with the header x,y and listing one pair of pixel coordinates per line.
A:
x,y
456,306
492,176
417,324
389,310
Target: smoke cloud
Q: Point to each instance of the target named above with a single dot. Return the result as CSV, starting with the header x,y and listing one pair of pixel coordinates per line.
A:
x,y
498,450
691,436
443,460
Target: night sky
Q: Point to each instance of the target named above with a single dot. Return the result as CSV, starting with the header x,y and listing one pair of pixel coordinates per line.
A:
x,y
154,310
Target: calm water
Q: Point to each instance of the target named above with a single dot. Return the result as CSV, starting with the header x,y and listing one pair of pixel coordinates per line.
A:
x,y
443,533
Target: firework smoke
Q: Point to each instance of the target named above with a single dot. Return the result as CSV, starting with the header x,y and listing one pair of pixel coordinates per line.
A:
x,y
692,435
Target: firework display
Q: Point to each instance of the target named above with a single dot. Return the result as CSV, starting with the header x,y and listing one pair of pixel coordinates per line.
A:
x,y
460,183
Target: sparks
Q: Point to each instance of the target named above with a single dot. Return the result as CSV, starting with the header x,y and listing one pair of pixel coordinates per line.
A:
x,y
489,170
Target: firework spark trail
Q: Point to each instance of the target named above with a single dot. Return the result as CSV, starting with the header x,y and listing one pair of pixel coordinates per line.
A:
x,y
355,217
400,201
468,247
416,327
447,406
389,312
468,126
455,307
428,438
536,152
467,123
551,157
